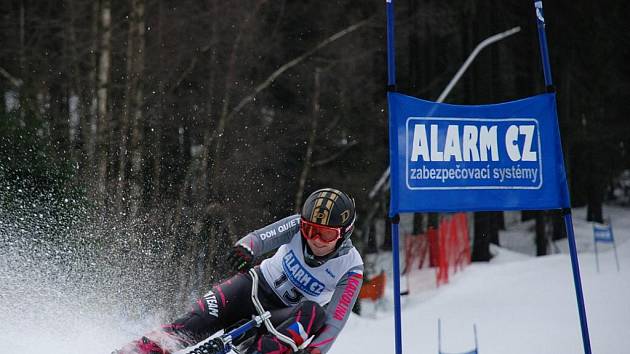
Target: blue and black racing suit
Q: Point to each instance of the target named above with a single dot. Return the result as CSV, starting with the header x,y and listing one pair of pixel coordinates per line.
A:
x,y
304,301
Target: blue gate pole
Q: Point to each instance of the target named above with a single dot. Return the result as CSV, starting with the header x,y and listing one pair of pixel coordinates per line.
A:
x,y
542,40
568,219
396,277
391,86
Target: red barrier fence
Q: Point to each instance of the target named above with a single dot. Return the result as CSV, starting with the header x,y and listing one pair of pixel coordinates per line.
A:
x,y
448,248
416,250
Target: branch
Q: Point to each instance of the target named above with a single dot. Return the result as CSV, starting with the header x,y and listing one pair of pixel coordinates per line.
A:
x,y
336,155
293,63
14,80
190,68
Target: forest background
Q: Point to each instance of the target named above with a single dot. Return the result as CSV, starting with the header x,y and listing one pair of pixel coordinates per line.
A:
x,y
149,135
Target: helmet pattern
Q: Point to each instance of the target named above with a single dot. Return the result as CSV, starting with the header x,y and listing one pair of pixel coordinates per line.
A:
x,y
330,207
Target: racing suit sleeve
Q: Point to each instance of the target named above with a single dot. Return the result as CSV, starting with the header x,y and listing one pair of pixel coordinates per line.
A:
x,y
271,237
339,308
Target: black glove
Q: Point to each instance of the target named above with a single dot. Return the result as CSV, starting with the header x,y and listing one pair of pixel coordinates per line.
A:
x,y
241,258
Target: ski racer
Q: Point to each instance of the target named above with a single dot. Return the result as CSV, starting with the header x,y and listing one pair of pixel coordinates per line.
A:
x,y
309,285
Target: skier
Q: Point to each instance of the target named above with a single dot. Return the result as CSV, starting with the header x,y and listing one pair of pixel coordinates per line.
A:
x,y
309,285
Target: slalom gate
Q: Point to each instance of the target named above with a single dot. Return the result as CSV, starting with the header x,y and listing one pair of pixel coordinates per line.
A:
x,y
603,233
452,158
440,351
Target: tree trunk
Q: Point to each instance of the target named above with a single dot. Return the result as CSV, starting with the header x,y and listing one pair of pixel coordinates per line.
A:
x,y
371,245
596,180
311,142
3,106
89,101
429,61
206,158
467,46
495,219
368,228
58,89
131,129
137,104
130,86
26,98
559,228
387,240
22,58
76,87
156,121
433,220
482,234
542,238
103,129
500,221
418,223
414,74
594,211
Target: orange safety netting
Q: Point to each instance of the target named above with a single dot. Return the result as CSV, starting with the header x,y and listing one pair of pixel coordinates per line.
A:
x,y
373,288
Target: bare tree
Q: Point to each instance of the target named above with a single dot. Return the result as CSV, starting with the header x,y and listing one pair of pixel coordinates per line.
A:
x,y
88,91
137,100
104,72
306,165
156,122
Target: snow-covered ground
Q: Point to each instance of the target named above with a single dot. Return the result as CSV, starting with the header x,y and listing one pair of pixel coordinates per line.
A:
x,y
519,303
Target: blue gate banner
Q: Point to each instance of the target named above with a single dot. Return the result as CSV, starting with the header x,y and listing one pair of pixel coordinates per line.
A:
x,y
505,156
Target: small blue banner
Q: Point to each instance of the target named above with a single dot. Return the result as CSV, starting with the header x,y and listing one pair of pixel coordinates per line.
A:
x,y
603,233
504,156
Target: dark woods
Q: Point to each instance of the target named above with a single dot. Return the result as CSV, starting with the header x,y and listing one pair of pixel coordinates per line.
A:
x,y
196,121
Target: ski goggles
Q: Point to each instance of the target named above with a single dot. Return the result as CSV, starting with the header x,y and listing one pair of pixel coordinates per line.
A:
x,y
326,234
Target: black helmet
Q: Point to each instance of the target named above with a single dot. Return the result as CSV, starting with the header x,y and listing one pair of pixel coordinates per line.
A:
x,y
333,208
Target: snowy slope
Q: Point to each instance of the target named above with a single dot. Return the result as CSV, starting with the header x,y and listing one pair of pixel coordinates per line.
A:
x,y
519,304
